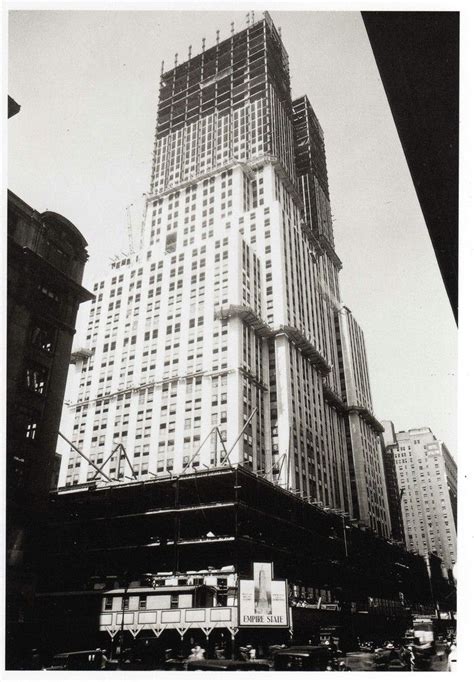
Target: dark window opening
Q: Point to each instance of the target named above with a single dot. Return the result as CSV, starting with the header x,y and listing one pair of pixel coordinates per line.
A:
x,y
36,379
43,337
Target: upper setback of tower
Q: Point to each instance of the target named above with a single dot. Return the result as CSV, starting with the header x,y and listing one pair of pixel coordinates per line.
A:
x,y
354,367
224,77
311,168
230,103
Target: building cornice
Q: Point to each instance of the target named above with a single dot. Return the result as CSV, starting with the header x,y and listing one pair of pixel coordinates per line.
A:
x,y
307,348
326,245
247,315
367,416
233,163
261,328
334,399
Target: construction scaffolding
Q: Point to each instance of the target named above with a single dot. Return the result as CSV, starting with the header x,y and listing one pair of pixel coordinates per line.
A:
x,y
217,517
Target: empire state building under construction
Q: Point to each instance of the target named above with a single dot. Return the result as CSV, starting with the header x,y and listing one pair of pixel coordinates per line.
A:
x,y
222,340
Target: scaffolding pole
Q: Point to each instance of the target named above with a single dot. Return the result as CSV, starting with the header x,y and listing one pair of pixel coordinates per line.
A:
x,y
89,461
107,460
129,463
240,435
197,452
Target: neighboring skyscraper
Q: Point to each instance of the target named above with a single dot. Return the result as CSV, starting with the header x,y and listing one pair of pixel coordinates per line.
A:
x,y
230,309
428,474
46,258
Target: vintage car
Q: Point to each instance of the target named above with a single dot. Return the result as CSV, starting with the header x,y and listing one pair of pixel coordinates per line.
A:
x,y
394,658
216,664
305,658
228,664
91,659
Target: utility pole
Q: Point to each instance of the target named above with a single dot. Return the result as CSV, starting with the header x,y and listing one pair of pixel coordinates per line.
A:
x,y
401,492
343,517
125,593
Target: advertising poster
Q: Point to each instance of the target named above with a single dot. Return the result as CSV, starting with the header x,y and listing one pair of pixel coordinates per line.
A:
x,y
263,602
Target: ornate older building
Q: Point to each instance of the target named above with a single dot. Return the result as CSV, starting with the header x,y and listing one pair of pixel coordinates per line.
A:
x,y
46,258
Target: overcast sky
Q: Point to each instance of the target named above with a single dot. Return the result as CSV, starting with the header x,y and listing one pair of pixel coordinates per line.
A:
x,y
87,83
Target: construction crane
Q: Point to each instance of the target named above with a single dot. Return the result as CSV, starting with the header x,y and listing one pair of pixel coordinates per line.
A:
x,y
131,246
142,227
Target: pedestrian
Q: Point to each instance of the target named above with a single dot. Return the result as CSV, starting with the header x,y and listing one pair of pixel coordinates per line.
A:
x,y
219,651
199,652
411,658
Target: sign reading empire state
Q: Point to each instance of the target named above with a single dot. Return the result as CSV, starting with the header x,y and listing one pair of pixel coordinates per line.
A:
x,y
263,602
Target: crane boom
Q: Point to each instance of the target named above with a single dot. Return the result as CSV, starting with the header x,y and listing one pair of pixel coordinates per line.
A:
x,y
131,245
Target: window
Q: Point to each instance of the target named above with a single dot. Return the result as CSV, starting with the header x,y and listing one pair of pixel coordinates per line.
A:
x,y
108,604
48,293
125,603
36,379
27,422
174,601
170,246
142,602
42,337
30,428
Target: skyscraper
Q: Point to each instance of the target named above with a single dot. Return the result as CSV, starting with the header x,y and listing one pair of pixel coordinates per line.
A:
x,y
427,474
226,322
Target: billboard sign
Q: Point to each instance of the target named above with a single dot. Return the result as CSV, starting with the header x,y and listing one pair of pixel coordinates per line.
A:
x,y
263,602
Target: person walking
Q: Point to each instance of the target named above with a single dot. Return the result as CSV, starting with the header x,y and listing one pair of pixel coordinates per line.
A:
x,y
197,653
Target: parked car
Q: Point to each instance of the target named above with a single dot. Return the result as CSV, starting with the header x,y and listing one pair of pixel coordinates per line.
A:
x,y
367,647
424,653
91,659
175,664
392,658
305,658
228,664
